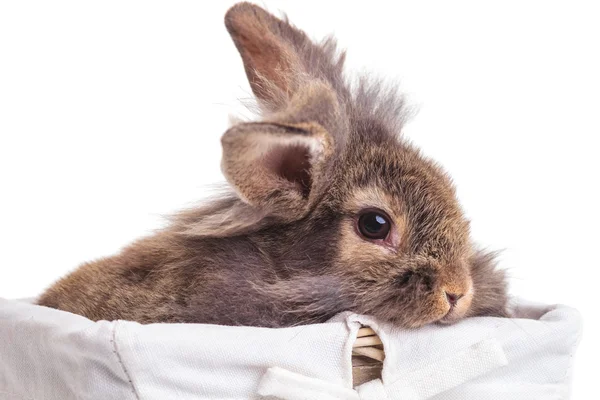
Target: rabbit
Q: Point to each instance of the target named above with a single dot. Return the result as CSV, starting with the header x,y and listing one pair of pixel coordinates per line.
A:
x,y
330,209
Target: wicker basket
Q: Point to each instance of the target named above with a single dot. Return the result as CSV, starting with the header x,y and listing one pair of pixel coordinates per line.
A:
x,y
367,356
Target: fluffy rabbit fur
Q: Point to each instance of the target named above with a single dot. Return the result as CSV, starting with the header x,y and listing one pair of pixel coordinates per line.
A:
x,y
284,248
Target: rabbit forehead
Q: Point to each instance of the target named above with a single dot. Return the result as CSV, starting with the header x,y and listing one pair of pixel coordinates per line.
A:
x,y
373,196
414,191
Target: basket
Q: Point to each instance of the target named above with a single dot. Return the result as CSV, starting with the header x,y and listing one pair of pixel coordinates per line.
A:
x,y
54,355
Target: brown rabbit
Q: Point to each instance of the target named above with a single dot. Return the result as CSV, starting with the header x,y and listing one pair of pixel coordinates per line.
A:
x,y
330,211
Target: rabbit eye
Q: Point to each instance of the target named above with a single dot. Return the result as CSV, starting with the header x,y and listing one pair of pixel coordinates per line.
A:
x,y
374,224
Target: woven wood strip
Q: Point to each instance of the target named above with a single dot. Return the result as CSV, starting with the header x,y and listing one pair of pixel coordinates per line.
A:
x,y
367,356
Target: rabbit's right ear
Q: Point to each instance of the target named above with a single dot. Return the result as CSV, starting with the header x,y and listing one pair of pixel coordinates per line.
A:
x,y
275,166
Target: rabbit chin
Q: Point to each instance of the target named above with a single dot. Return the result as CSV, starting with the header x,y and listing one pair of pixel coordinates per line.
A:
x,y
436,309
411,309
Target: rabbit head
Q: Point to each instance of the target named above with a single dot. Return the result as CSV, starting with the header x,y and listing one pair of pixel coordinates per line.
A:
x,y
358,217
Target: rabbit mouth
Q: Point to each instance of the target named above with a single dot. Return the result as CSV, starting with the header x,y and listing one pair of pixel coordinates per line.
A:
x,y
455,312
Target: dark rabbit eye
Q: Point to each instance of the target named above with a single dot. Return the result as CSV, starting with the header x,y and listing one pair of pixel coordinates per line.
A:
x,y
374,224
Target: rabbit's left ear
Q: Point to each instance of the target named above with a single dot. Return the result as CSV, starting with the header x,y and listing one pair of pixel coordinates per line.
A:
x,y
266,45
278,57
274,166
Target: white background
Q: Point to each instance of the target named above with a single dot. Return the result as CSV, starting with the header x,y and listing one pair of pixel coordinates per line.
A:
x,y
111,114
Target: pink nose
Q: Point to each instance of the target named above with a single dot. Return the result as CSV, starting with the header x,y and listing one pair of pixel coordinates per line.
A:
x,y
453,298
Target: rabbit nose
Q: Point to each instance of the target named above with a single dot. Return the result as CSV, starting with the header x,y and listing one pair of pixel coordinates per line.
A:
x,y
453,298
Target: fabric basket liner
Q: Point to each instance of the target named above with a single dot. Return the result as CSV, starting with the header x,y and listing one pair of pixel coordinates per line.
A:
x,y
47,354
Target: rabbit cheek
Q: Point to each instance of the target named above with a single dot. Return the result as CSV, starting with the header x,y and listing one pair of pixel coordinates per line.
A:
x,y
363,260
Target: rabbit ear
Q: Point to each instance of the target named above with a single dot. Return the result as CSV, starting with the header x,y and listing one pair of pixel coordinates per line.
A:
x,y
274,166
276,55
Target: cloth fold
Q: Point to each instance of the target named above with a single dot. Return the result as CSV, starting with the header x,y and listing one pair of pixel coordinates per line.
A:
x,y
421,384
